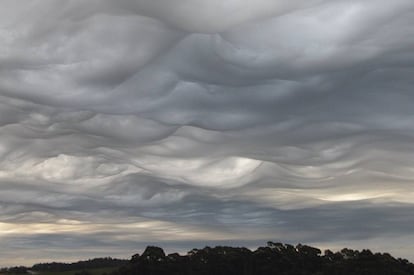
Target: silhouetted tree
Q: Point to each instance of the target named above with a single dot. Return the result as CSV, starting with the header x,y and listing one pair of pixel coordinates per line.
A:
x,y
275,258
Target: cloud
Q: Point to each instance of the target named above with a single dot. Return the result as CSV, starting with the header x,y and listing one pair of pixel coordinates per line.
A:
x,y
146,121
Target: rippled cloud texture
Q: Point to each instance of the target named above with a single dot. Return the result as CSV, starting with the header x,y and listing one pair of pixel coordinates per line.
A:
x,y
190,122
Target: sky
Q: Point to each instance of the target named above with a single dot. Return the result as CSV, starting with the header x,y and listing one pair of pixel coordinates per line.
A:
x,y
185,123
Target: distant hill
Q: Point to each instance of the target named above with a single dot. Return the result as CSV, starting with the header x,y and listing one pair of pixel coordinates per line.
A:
x,y
81,265
97,266
275,258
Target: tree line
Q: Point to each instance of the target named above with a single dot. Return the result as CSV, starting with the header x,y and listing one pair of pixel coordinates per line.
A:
x,y
272,259
275,258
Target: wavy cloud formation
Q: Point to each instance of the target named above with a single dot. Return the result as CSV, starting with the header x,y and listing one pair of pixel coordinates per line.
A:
x,y
184,123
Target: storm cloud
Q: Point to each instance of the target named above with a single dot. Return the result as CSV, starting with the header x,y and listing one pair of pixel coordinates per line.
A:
x,y
184,123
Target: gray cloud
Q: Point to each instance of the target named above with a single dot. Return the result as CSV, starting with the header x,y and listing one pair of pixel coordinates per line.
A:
x,y
192,123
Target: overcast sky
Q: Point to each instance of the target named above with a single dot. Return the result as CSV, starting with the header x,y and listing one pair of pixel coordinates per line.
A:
x,y
186,123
